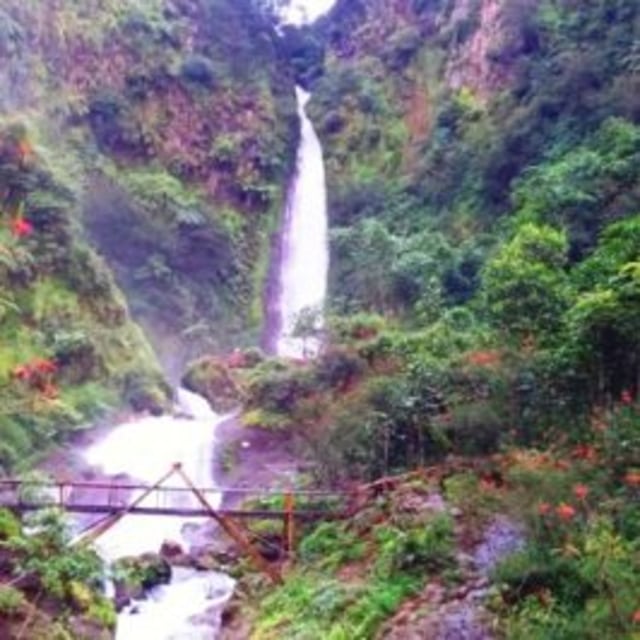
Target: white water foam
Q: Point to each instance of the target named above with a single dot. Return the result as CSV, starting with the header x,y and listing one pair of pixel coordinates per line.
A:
x,y
145,450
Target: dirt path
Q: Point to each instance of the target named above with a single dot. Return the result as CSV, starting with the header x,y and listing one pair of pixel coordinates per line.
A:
x,y
441,613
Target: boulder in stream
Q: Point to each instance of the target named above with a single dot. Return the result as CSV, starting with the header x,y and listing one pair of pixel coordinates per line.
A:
x,y
137,574
175,555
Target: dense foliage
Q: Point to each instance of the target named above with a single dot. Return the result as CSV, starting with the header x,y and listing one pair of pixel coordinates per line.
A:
x,y
50,589
69,349
484,196
177,124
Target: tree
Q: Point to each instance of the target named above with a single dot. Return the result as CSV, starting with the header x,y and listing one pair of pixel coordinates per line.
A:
x,y
605,324
525,286
605,319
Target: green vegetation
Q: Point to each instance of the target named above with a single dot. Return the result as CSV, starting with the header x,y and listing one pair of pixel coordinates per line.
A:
x,y
69,350
48,586
484,292
352,577
482,162
177,125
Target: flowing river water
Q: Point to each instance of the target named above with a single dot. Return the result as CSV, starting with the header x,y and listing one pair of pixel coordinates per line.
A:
x,y
145,449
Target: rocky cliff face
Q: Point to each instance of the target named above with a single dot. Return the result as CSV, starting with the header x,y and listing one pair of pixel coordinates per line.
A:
x,y
180,117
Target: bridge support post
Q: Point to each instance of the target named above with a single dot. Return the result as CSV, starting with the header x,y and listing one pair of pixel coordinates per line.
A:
x,y
231,529
288,534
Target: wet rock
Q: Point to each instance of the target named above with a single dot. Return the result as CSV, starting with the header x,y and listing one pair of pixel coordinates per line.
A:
x,y
121,599
230,612
138,574
175,555
171,549
501,538
215,560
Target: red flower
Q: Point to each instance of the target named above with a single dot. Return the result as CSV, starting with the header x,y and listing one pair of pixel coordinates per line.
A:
x,y
581,491
45,366
22,372
565,511
635,618
584,452
544,508
626,397
21,227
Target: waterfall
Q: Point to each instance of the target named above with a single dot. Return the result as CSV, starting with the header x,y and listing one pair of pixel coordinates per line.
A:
x,y
304,259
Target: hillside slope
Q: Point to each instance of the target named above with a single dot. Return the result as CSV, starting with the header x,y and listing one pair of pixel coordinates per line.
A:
x,y
144,152
179,122
433,115
482,161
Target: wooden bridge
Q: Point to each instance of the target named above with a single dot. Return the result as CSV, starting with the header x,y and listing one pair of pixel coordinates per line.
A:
x,y
113,501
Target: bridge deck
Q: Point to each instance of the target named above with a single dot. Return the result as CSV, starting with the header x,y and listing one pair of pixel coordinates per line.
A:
x,y
112,498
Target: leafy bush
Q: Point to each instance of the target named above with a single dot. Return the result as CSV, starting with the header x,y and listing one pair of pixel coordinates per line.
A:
x,y
11,601
421,549
331,545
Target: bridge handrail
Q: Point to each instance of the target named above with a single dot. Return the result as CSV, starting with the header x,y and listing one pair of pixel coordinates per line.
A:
x,y
15,483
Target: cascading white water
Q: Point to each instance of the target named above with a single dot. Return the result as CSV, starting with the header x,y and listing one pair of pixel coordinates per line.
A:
x,y
145,450
305,246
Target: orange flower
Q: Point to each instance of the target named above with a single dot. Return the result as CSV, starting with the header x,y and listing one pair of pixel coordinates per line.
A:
x,y
581,491
544,508
21,227
584,452
635,618
565,511
632,478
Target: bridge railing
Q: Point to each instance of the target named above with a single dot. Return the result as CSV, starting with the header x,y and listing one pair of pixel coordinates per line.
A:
x,y
109,497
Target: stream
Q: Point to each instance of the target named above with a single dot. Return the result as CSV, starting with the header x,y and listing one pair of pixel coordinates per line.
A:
x,y
145,449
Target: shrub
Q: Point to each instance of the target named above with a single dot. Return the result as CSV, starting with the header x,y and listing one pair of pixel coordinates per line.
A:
x,y
11,601
338,369
331,544
9,525
428,548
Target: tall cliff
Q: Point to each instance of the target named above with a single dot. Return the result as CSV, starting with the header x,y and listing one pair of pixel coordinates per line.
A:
x,y
177,120
144,152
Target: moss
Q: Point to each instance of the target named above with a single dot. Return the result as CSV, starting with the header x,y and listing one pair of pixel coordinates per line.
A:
x,y
213,379
263,419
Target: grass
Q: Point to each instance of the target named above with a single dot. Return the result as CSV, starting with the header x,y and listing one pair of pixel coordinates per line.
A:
x,y
351,576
